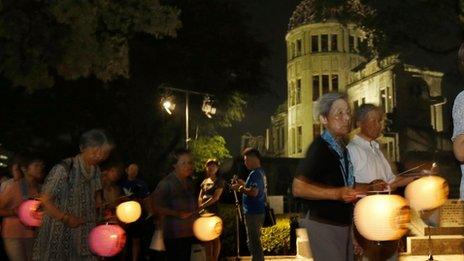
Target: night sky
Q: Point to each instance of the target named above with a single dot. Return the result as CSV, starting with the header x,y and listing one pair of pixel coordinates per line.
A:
x,y
268,20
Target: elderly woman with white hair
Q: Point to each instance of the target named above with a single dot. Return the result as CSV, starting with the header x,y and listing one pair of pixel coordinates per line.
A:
x,y
70,197
324,181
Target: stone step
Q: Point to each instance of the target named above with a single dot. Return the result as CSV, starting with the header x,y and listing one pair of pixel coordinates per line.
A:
x,y
441,245
444,231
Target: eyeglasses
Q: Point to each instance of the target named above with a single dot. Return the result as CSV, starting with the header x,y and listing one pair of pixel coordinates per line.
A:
x,y
340,114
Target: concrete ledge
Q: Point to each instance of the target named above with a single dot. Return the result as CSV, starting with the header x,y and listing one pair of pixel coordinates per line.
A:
x,y
441,245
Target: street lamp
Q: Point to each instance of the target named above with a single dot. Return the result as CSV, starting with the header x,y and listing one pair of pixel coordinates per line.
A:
x,y
207,107
169,105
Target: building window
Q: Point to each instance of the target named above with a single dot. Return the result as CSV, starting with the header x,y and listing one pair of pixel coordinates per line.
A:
x,y
315,87
316,130
334,43
355,109
324,43
391,151
298,139
293,141
292,50
383,99
351,43
325,84
335,82
314,44
355,106
292,94
298,91
277,139
298,48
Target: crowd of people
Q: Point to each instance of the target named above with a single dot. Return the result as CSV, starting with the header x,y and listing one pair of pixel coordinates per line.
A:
x,y
83,191
78,193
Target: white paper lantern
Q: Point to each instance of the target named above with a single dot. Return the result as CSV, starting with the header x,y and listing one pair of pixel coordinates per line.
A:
x,y
129,211
207,227
427,193
382,217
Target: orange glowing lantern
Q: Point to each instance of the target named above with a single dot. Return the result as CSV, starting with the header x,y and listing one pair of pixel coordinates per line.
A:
x,y
129,211
382,217
208,227
427,192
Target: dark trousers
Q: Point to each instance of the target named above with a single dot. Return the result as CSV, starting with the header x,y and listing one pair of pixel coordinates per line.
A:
x,y
178,248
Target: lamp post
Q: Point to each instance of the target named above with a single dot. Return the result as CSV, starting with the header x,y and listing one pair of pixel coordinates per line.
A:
x,y
187,101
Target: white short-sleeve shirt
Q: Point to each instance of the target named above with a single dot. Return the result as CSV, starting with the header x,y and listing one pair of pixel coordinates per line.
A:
x,y
369,163
458,129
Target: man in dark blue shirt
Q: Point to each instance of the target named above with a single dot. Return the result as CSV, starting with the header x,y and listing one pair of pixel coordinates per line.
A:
x,y
253,199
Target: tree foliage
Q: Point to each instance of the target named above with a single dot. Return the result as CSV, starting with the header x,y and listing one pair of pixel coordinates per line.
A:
x,y
205,148
407,27
213,52
75,38
420,31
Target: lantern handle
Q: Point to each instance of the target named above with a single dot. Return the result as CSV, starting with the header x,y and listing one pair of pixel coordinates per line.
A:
x,y
409,170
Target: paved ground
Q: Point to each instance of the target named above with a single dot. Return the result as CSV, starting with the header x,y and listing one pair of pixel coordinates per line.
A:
x,y
402,258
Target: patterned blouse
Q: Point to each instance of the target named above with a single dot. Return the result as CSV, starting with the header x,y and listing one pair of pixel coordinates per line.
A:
x,y
73,190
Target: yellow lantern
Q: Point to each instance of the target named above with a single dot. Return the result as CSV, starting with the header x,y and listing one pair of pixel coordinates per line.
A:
x,y
128,211
207,227
382,217
427,193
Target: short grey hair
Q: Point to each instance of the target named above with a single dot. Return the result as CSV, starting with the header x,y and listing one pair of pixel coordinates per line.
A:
x,y
95,138
325,102
361,113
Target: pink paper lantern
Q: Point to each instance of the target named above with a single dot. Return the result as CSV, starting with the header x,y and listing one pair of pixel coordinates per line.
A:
x,y
28,213
107,240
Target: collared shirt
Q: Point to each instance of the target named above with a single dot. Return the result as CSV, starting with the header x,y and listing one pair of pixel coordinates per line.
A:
x,y
368,161
458,129
343,156
322,165
179,195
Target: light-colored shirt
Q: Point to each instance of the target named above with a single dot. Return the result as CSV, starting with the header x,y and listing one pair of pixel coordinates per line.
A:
x,y
369,163
458,129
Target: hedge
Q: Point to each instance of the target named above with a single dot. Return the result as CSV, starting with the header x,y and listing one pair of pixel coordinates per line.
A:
x,y
275,239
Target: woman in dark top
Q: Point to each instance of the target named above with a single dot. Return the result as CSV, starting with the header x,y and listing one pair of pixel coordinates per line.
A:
x,y
324,180
211,190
